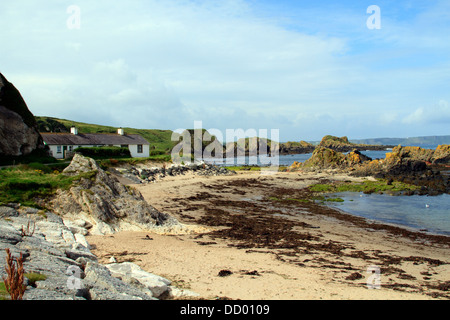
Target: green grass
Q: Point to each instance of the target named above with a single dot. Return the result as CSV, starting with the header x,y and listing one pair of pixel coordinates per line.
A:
x,y
4,295
33,277
244,168
107,163
307,200
25,184
378,186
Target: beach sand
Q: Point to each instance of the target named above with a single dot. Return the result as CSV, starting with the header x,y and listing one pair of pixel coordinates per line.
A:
x,y
253,239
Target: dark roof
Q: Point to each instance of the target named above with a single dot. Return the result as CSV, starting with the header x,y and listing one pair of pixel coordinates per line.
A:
x,y
92,139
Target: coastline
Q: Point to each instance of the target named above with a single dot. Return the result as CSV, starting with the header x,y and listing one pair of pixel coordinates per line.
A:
x,y
277,250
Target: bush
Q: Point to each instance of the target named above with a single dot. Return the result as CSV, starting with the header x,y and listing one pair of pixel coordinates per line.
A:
x,y
104,152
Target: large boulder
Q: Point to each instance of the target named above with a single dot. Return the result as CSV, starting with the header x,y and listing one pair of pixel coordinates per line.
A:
x,y
104,201
325,158
19,133
340,144
441,154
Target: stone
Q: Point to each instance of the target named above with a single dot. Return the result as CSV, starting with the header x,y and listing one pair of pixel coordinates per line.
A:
x,y
103,286
74,254
156,284
8,212
104,200
19,133
9,234
72,271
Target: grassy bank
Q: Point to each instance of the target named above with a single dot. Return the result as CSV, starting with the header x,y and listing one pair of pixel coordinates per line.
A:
x,y
378,186
317,198
29,184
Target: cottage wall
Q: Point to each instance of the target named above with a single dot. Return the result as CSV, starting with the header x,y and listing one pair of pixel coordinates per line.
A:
x,y
133,150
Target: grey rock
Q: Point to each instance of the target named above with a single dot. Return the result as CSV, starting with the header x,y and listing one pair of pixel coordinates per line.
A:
x,y
75,254
8,212
103,286
156,284
9,234
104,198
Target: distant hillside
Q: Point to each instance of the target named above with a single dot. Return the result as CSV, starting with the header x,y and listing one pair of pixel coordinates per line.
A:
x,y
413,141
160,139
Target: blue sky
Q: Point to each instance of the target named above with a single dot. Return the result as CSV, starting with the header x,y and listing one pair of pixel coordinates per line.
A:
x,y
307,68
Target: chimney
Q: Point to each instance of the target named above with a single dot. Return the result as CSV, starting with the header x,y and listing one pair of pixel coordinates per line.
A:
x,y
73,130
120,131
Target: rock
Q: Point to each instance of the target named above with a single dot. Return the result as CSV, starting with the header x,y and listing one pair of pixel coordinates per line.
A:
x,y
72,272
146,175
156,284
326,158
75,254
19,133
441,155
296,147
106,202
342,144
177,293
9,234
102,228
8,212
103,286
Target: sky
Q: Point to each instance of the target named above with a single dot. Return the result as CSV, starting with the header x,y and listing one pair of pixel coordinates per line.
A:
x,y
304,68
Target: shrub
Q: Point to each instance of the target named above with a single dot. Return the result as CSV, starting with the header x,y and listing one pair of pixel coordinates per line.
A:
x,y
104,152
15,276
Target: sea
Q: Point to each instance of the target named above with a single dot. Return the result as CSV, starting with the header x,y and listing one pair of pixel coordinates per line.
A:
x,y
420,213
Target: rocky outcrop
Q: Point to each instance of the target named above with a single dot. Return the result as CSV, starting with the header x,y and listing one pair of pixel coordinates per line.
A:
x,y
413,165
152,174
404,160
18,129
55,249
342,144
325,158
105,202
296,147
441,155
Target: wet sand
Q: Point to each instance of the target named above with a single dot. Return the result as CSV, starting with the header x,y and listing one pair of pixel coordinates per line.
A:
x,y
256,237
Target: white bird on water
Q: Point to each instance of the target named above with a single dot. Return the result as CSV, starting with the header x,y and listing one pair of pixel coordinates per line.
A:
x,y
427,206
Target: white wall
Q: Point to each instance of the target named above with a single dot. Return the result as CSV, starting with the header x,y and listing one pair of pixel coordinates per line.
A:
x,y
133,150
145,151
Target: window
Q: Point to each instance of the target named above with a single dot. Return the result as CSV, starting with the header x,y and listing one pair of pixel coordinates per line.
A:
x,y
58,149
139,147
124,146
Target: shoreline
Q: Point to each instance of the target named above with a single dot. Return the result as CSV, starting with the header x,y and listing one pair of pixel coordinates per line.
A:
x,y
283,250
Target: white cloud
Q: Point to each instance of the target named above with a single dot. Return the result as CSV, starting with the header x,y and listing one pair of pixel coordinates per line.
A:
x,y
164,64
438,113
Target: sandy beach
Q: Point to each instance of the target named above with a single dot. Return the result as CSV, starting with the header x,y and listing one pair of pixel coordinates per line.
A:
x,y
246,243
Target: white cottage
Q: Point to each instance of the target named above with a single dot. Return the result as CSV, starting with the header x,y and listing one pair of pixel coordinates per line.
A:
x,y
61,144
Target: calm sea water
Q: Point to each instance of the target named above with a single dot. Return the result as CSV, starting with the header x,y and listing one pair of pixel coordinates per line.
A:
x,y
417,212
283,160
